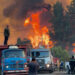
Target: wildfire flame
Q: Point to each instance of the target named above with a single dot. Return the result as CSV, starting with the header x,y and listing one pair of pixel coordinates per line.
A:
x,y
40,35
73,48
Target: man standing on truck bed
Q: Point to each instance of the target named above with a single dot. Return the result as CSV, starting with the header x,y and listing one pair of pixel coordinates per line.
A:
x,y
33,67
6,34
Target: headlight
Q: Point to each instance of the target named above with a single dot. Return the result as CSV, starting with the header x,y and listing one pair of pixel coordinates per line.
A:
x,y
7,66
25,65
47,65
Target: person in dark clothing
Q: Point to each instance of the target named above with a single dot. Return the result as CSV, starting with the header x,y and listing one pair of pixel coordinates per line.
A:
x,y
72,64
33,67
6,34
61,66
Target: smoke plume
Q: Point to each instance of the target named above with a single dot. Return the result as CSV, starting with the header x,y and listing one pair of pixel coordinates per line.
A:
x,y
20,8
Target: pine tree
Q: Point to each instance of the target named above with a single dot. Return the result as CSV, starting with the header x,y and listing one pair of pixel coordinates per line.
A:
x,y
57,21
60,22
71,12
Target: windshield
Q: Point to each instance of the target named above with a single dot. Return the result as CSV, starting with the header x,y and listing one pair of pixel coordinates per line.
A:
x,y
40,54
14,53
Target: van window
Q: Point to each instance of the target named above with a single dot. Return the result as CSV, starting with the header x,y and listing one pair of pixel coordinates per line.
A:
x,y
40,54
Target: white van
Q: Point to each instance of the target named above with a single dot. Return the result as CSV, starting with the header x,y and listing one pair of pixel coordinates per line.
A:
x,y
44,58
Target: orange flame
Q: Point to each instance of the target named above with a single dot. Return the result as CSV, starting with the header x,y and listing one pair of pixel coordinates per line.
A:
x,y
40,35
73,50
27,21
73,44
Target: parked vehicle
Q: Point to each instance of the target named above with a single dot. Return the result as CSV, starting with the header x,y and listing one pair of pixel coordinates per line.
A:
x,y
14,61
44,58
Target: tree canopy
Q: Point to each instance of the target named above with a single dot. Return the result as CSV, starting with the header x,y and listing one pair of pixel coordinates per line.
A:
x,y
60,53
60,21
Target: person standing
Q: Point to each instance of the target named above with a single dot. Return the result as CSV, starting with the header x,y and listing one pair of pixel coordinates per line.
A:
x,y
6,35
33,67
72,64
58,64
61,66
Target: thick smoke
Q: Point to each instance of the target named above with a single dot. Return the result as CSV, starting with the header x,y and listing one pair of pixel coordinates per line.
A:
x,y
20,8
18,11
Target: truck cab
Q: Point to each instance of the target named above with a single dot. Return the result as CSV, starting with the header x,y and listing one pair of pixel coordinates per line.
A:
x,y
14,61
44,58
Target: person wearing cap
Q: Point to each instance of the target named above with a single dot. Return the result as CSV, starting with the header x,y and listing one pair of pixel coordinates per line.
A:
x,y
6,34
33,67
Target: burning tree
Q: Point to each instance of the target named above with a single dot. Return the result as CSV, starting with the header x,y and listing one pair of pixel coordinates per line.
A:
x,y
40,35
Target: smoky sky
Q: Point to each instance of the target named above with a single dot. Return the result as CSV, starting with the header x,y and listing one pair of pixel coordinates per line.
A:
x,y
12,9
20,8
